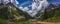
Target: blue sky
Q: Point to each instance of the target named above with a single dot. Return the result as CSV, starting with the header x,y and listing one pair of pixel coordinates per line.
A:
x,y
23,2
54,1
27,3
50,1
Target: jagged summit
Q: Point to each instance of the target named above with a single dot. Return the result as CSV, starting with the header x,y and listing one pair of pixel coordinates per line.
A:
x,y
14,2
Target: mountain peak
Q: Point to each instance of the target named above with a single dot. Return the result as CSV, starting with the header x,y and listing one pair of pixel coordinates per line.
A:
x,y
14,2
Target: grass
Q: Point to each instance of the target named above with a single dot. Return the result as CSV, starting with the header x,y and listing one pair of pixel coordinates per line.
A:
x,y
53,19
26,22
2,21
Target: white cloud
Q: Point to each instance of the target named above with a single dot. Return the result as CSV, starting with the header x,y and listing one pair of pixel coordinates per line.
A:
x,y
24,3
21,8
17,2
36,7
29,12
29,5
14,2
26,8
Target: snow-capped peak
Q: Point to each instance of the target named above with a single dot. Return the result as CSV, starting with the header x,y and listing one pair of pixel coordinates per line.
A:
x,y
37,7
14,2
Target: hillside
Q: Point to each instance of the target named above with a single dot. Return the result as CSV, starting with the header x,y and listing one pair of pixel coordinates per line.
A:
x,y
8,12
52,13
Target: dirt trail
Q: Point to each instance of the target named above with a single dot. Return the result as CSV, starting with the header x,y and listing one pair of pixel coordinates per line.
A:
x,y
45,22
